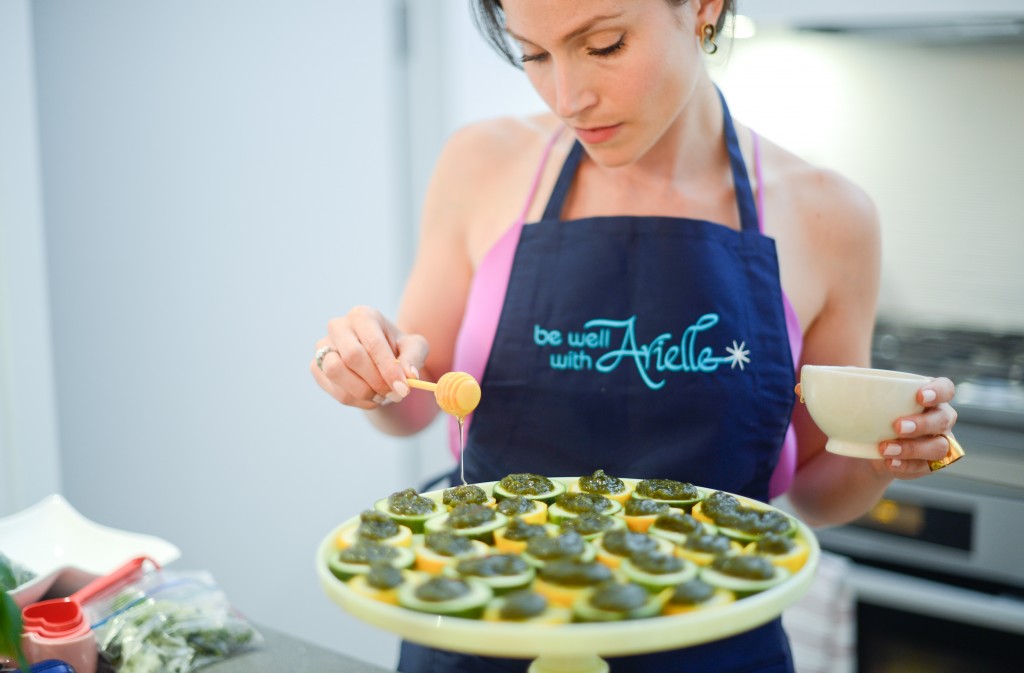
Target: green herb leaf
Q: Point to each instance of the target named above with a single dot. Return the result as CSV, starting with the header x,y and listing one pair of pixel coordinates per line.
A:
x,y
10,630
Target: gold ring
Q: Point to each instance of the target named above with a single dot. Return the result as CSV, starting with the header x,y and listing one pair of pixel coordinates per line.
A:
x,y
955,453
321,353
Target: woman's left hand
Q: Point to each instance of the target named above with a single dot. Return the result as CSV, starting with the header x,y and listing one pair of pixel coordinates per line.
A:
x,y
921,438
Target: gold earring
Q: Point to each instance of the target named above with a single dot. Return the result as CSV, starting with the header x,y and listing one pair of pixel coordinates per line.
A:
x,y
707,38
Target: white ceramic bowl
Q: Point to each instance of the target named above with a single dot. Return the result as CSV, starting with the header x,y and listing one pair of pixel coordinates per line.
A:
x,y
856,407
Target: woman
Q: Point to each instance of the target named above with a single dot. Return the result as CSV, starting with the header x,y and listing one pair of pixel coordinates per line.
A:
x,y
650,318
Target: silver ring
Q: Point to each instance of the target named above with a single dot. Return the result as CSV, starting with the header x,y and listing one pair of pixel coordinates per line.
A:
x,y
321,353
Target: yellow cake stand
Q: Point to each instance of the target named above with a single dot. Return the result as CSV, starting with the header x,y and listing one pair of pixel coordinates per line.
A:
x,y
569,648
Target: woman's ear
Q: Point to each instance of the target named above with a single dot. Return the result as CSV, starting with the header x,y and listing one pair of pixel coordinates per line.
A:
x,y
708,11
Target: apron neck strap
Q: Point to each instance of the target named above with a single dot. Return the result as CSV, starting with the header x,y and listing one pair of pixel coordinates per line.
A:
x,y
740,179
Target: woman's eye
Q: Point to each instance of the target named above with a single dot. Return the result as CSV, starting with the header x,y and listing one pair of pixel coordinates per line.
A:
x,y
527,58
609,50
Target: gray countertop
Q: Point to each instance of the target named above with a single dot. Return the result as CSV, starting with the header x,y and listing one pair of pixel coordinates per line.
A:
x,y
281,653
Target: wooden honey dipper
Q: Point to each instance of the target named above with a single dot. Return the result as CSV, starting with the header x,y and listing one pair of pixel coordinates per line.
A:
x,y
457,393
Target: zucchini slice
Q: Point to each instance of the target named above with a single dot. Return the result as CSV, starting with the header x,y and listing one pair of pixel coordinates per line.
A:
x,y
630,543
696,595
530,511
656,571
501,572
603,484
786,552
350,536
572,505
718,575
433,562
618,601
467,598
526,607
681,495
347,563
414,520
456,519
532,486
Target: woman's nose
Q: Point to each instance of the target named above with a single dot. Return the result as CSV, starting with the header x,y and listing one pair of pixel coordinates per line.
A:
x,y
573,94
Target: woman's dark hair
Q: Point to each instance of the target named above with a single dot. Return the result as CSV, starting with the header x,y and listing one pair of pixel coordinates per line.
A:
x,y
489,17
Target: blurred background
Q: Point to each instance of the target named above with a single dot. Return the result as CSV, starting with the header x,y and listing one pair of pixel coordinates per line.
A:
x,y
189,190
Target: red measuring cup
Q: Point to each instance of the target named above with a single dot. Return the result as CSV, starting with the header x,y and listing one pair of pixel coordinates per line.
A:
x,y
62,617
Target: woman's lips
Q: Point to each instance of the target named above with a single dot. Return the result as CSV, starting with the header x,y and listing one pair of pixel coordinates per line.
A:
x,y
597,134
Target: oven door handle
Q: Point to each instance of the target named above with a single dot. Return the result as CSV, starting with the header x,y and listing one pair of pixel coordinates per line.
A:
x,y
912,594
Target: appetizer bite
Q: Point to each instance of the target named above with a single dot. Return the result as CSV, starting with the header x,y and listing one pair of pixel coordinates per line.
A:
x,y
678,494
466,494
513,538
477,522
600,483
675,525
592,526
782,550
446,596
656,570
357,559
702,548
525,607
570,505
409,508
501,572
563,582
612,548
377,527
532,486
568,545
444,548
696,595
640,513
616,601
530,511
381,582
743,574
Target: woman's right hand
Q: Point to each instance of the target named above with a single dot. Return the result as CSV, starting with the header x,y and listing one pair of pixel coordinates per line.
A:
x,y
367,359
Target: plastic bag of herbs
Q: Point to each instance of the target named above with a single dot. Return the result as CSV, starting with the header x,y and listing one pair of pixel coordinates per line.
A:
x,y
13,575
168,622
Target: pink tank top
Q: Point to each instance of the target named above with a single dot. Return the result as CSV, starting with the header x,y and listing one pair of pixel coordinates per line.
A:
x,y
487,298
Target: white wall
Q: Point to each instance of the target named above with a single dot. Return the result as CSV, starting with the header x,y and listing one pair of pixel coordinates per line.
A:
x,y
220,179
934,133
29,461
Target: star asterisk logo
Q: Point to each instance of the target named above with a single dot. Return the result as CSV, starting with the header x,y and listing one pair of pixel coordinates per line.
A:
x,y
738,354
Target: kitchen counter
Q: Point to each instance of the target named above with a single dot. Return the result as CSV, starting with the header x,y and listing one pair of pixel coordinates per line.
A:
x,y
281,652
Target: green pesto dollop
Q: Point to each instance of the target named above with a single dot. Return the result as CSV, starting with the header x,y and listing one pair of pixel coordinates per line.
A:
x,y
519,530
497,565
569,544
516,506
524,483
619,597
447,543
575,573
747,566
384,576
368,551
694,592
625,542
773,543
711,544
667,489
464,494
656,562
678,522
524,604
644,507
719,503
440,589
469,516
588,524
410,503
584,503
602,484
374,525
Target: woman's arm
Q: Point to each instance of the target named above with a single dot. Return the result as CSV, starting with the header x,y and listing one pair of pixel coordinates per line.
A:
x,y
842,226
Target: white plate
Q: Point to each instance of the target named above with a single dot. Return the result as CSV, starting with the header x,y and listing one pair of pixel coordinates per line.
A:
x,y
66,551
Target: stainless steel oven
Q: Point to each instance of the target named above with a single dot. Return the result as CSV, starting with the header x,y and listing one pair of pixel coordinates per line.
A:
x,y
938,564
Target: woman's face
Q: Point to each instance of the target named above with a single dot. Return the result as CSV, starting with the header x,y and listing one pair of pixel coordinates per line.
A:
x,y
618,72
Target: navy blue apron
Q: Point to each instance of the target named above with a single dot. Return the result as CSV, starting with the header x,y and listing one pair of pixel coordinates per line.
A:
x,y
646,347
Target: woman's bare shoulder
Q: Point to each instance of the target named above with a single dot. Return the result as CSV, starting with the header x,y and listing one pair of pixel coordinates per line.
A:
x,y
496,146
827,207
